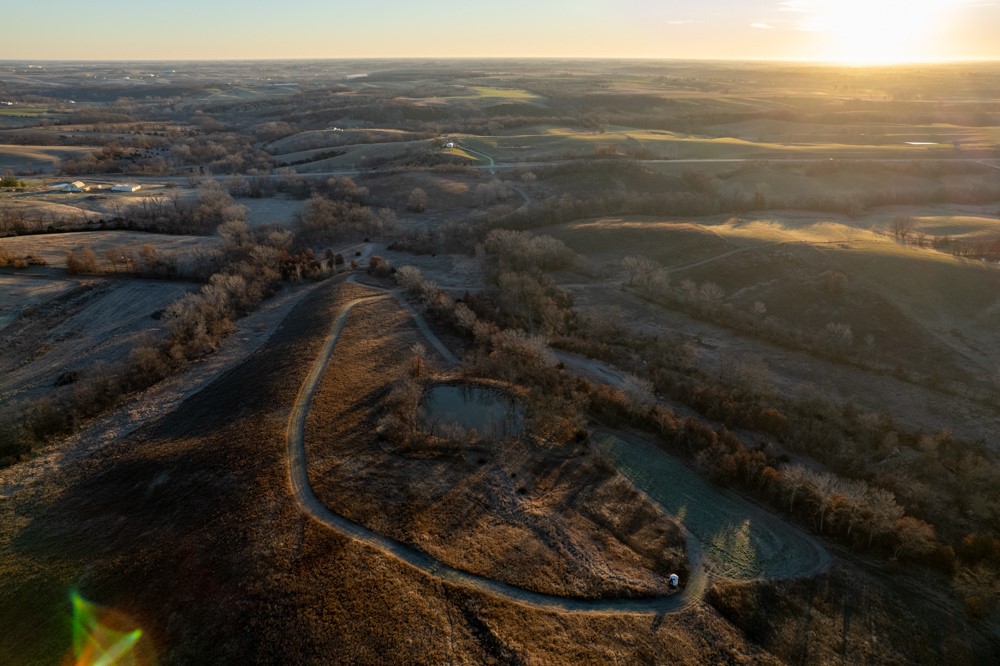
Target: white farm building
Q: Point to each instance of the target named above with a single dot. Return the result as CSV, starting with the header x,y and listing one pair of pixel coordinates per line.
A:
x,y
126,187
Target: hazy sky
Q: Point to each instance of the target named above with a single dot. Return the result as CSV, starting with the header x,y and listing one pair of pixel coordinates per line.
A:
x,y
859,30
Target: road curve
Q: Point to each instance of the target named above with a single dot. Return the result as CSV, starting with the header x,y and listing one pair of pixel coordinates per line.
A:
x,y
306,497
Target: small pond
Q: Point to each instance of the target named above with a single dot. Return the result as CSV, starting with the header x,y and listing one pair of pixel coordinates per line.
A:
x,y
490,411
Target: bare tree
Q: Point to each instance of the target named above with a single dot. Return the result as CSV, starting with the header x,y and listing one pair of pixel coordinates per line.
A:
x,y
839,336
710,296
902,227
417,201
111,254
636,267
795,479
914,538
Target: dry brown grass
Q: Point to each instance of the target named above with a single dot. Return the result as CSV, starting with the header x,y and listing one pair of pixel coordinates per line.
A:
x,y
37,158
555,521
52,247
851,616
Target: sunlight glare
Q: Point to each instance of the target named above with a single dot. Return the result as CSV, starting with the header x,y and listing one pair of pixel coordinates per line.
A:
x,y
873,31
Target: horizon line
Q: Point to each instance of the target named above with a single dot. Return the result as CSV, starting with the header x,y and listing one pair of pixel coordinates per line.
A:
x,y
578,58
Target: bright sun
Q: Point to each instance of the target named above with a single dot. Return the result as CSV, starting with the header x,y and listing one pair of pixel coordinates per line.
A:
x,y
872,31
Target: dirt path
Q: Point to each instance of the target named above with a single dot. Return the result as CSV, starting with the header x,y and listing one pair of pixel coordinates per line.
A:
x,y
421,323
306,497
492,165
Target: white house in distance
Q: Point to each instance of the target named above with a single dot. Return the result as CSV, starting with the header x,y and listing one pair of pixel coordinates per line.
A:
x,y
126,187
76,186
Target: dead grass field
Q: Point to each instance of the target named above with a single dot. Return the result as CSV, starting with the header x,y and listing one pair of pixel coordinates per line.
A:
x,y
44,211
17,293
266,211
33,159
549,521
607,241
868,134
52,247
785,182
926,309
92,322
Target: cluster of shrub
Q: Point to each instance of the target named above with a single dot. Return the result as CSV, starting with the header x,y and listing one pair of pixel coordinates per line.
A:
x,y
20,261
11,181
200,215
287,182
115,157
326,219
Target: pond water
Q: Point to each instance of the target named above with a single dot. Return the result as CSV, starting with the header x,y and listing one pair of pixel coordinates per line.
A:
x,y
490,411
740,540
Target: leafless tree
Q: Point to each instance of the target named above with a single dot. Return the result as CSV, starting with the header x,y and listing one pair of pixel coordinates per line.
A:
x,y
902,227
417,201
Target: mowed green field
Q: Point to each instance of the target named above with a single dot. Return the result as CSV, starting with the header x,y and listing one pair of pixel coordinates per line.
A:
x,y
22,115
547,143
669,242
314,140
359,156
870,134
504,93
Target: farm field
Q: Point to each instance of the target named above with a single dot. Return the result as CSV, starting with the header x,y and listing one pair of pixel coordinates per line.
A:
x,y
53,247
360,156
315,140
19,293
36,159
75,330
549,143
268,211
868,133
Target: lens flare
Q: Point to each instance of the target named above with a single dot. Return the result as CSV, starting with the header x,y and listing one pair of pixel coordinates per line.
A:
x,y
99,638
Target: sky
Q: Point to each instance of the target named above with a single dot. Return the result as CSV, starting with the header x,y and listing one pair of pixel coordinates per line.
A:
x,y
859,31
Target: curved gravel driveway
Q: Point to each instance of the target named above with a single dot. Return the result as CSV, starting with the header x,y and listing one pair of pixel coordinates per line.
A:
x,y
306,497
